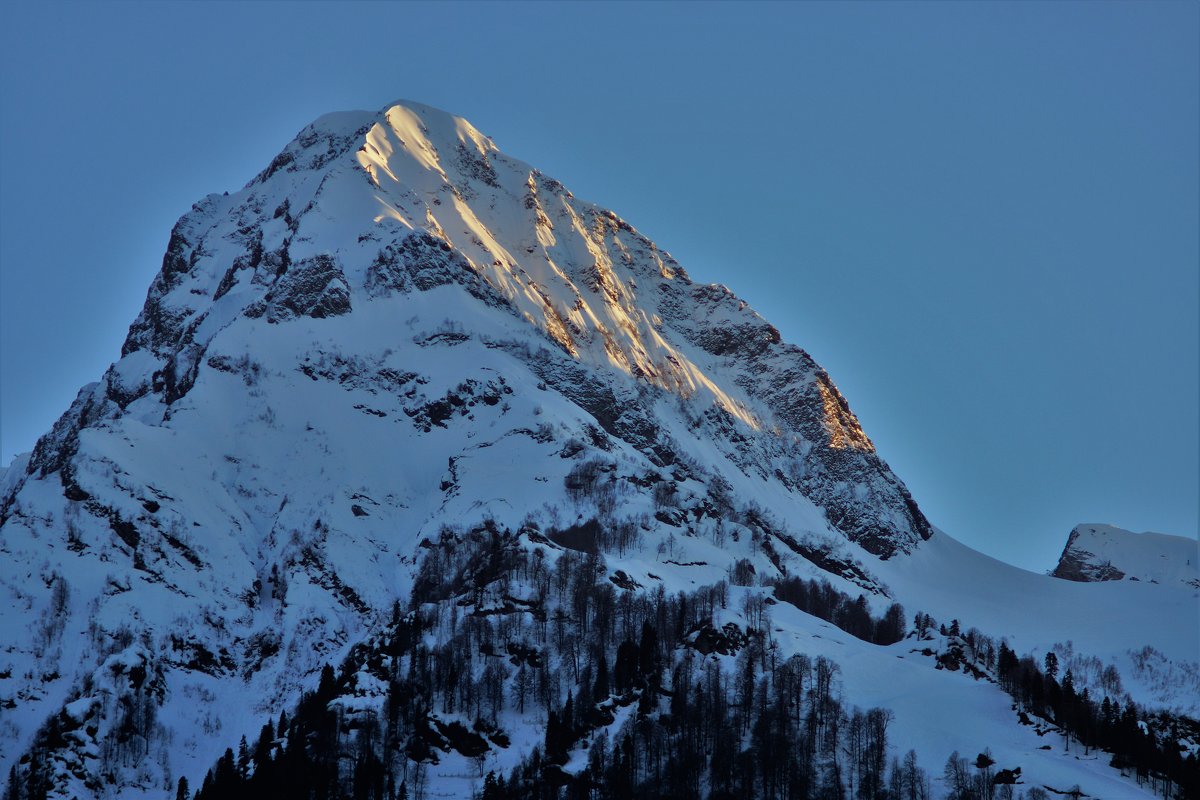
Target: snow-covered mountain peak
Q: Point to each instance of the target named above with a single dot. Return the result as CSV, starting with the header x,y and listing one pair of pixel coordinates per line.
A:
x,y
1096,552
361,207
396,329
396,344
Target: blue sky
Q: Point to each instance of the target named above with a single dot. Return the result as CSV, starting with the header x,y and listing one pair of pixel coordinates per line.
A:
x,y
980,218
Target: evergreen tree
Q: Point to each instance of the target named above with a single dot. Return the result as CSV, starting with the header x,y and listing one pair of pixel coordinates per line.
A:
x,y
264,746
626,671
1051,665
600,690
491,789
327,688
243,758
13,791
651,663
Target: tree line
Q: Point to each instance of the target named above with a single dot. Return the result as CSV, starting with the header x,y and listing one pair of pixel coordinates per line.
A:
x,y
495,626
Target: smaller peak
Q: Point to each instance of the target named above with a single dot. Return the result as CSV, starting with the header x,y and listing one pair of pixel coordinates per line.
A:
x,y
1098,527
1106,530
423,109
1101,552
440,126
427,133
342,123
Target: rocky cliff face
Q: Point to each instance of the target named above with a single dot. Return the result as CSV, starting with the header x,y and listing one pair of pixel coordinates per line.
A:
x,y
1106,553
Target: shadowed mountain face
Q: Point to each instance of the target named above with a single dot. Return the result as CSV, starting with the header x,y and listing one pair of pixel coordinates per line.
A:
x,y
398,378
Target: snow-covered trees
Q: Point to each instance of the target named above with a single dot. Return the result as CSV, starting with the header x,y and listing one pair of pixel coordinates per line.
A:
x,y
650,659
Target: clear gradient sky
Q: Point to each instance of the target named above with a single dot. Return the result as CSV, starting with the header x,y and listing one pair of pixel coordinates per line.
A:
x,y
980,218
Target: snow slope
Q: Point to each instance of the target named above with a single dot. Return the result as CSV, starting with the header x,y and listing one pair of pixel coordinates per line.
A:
x,y
1109,622
396,328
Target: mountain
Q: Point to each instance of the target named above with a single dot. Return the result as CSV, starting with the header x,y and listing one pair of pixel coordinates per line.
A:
x,y
465,475
1105,553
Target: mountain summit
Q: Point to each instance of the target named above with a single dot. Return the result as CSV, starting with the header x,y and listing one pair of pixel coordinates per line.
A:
x,y
364,208
403,389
